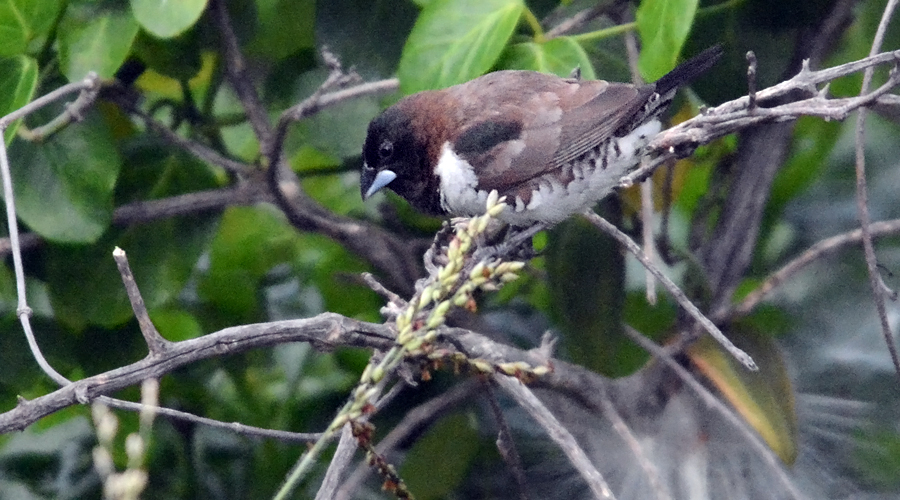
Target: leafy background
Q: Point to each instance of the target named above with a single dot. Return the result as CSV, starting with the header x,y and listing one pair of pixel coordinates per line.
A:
x,y
828,373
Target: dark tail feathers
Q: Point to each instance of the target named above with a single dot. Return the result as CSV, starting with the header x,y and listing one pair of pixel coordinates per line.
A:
x,y
688,70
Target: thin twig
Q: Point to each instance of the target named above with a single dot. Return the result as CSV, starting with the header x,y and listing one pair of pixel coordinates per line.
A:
x,y
326,332
199,150
673,289
734,115
751,81
346,448
88,93
505,444
74,112
238,428
621,427
576,21
817,251
415,421
862,197
155,342
88,86
631,48
380,289
239,75
558,433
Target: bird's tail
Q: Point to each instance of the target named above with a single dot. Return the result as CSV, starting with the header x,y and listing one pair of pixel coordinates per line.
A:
x,y
688,70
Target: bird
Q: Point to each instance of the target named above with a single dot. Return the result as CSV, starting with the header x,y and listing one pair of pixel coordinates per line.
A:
x,y
552,146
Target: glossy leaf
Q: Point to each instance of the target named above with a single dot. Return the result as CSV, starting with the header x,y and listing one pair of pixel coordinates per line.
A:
x,y
23,20
558,56
166,19
663,26
286,27
64,187
93,38
18,80
85,284
455,41
765,399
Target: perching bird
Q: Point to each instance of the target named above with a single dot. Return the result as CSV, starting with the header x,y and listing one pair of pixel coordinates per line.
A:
x,y
553,146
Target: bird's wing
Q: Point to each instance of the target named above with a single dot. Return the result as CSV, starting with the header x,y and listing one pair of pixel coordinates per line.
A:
x,y
522,135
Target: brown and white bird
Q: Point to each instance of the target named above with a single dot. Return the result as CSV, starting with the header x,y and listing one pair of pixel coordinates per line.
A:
x,y
553,146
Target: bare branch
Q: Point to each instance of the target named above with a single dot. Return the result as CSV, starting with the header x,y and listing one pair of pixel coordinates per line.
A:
x,y
88,93
238,428
88,88
505,444
201,151
239,76
818,251
735,115
673,289
324,332
751,81
155,342
559,434
621,427
862,197
346,448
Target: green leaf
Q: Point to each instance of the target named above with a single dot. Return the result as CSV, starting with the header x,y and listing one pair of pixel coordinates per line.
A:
x,y
454,41
287,26
453,440
85,284
178,58
558,56
22,21
13,31
64,187
18,80
167,19
663,26
250,241
175,324
765,399
330,268
96,39
586,275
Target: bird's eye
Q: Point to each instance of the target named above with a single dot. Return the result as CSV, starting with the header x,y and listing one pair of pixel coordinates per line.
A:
x,y
386,150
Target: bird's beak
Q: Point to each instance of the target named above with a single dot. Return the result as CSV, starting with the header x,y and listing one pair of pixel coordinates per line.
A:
x,y
371,184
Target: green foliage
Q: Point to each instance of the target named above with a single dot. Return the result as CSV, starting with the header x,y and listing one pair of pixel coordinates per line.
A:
x,y
166,19
95,37
73,175
110,180
23,22
558,56
18,81
664,26
456,441
453,42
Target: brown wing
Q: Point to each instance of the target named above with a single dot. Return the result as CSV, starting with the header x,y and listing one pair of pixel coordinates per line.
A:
x,y
510,136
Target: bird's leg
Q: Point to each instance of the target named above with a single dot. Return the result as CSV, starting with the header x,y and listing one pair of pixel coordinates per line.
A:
x,y
513,242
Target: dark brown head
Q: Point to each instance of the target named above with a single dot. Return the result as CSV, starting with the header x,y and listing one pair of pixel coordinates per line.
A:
x,y
396,155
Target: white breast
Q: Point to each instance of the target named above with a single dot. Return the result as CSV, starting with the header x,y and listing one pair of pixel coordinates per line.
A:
x,y
550,201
